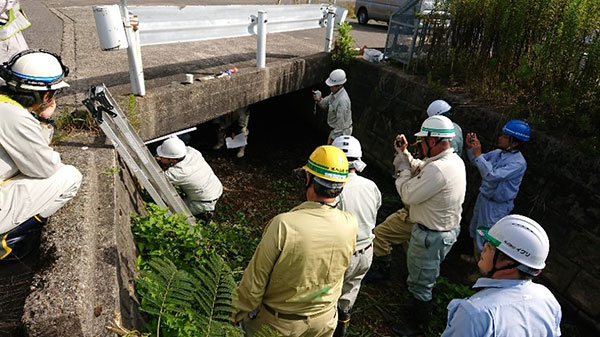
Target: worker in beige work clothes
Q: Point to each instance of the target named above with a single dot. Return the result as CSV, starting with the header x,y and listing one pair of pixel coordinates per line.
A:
x,y
362,198
34,182
396,229
339,113
294,280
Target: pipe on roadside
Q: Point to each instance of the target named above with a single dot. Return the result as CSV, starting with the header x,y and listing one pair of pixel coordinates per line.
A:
x,y
261,39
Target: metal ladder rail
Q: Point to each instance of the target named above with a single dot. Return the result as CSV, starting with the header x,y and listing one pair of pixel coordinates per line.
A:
x,y
150,174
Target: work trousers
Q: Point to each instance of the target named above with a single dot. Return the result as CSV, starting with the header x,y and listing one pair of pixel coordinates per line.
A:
x,y
333,134
357,268
395,230
321,325
22,197
485,214
426,252
11,46
197,207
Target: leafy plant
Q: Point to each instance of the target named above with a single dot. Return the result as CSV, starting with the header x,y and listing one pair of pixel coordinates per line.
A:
x,y
76,120
188,304
343,50
445,291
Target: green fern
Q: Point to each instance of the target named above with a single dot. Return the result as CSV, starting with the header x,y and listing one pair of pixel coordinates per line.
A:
x,y
188,304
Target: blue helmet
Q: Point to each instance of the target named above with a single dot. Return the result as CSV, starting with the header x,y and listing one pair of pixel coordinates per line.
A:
x,y
518,129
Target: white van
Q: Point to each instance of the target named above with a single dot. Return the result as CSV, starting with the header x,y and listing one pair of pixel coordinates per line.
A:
x,y
382,10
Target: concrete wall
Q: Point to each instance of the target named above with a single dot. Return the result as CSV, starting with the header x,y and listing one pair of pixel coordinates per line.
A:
x,y
559,190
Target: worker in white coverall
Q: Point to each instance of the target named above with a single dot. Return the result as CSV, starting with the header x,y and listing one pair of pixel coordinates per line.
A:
x,y
339,113
236,122
362,198
294,280
12,22
34,183
434,197
185,167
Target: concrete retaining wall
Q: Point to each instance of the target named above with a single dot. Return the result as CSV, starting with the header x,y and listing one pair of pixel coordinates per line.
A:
x,y
559,190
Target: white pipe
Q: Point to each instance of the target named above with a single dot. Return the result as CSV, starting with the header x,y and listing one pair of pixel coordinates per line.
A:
x,y
261,39
329,32
170,135
109,26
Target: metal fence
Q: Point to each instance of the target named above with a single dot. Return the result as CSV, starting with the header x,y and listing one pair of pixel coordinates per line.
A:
x,y
408,30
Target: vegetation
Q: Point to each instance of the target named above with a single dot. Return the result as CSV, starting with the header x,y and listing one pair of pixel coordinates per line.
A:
x,y
343,50
542,57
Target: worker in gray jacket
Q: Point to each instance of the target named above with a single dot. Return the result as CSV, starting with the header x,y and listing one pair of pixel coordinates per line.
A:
x,y
362,198
186,168
339,113
34,183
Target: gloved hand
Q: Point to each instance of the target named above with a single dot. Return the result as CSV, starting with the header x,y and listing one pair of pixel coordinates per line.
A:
x,y
401,162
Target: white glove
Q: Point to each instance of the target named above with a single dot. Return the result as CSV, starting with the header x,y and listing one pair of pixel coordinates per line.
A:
x,y
401,162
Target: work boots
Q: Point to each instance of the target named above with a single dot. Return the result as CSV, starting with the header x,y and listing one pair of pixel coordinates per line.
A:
x,y
240,152
380,269
417,317
20,241
342,325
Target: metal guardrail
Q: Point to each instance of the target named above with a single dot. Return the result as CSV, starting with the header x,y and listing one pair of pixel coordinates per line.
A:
x,y
153,25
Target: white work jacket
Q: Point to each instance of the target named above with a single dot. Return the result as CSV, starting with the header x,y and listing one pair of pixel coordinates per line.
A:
x,y
339,115
195,177
24,143
362,198
436,194
12,19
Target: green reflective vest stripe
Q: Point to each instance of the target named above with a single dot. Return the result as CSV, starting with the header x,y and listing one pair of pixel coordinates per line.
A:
x,y
6,99
17,21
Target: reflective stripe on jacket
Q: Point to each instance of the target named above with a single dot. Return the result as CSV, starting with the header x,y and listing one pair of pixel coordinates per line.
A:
x,y
16,22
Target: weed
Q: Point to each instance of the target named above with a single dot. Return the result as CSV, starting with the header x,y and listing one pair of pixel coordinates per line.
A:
x,y
111,172
133,117
76,120
343,50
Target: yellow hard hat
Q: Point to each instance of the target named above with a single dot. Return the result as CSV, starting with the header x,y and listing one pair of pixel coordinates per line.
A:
x,y
329,163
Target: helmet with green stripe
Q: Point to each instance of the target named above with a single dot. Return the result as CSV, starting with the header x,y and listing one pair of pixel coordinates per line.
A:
x,y
521,239
328,163
437,126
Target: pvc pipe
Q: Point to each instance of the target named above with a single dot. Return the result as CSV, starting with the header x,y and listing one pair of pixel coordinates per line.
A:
x,y
261,39
329,31
134,54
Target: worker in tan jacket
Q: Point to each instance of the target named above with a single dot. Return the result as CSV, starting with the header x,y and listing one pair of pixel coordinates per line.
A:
x,y
294,279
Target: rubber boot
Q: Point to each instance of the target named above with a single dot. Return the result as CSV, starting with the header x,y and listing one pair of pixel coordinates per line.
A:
x,y
19,242
380,269
418,314
342,325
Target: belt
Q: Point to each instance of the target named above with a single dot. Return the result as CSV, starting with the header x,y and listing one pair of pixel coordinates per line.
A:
x,y
431,230
291,317
362,251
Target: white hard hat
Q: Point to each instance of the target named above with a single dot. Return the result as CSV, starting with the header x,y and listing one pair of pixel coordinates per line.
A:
x,y
35,70
521,239
336,77
437,126
438,107
172,148
350,146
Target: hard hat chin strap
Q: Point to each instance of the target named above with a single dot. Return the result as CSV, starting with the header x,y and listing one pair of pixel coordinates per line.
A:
x,y
491,273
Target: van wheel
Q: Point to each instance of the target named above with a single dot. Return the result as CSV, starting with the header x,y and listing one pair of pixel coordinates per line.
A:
x,y
362,16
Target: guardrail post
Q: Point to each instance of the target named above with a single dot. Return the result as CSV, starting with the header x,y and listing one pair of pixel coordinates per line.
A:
x,y
261,39
329,32
134,54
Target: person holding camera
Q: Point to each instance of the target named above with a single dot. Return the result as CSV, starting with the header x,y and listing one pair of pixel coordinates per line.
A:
x,y
339,115
502,171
